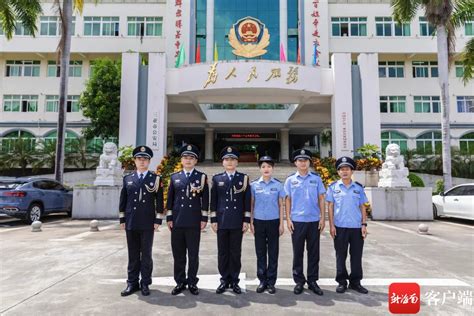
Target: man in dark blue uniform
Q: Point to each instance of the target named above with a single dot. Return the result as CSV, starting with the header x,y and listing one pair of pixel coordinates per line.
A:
x,y
187,205
230,218
141,213
348,224
305,219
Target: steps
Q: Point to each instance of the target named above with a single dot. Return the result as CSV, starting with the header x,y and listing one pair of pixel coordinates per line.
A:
x,y
281,171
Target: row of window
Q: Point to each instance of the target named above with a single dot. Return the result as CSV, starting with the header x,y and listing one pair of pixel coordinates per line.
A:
x,y
420,69
7,142
427,143
29,103
385,26
31,68
99,26
423,104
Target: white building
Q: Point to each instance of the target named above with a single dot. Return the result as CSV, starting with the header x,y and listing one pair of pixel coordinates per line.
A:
x,y
374,81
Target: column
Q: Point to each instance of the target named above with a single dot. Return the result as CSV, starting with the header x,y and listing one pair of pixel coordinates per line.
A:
x,y
157,108
210,31
209,150
341,105
129,99
284,26
369,76
284,144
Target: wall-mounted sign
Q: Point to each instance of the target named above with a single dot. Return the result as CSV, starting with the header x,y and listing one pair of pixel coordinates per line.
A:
x,y
249,37
247,135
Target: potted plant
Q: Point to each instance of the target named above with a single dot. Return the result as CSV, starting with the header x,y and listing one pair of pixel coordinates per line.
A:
x,y
368,165
126,158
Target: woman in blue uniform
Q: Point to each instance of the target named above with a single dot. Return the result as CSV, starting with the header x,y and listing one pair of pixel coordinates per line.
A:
x,y
267,223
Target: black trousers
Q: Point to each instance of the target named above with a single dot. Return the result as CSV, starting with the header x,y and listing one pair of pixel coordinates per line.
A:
x,y
229,250
305,233
185,240
344,238
267,237
140,243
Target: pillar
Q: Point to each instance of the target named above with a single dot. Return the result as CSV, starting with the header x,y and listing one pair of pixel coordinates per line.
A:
x,y
209,150
129,99
157,108
369,76
210,31
284,144
341,105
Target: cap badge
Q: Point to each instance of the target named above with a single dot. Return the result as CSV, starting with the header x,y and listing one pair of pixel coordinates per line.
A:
x,y
229,150
302,152
142,149
344,159
189,147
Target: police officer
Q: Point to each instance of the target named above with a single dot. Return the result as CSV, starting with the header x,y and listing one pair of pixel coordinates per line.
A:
x,y
267,223
187,205
230,216
348,224
141,213
305,219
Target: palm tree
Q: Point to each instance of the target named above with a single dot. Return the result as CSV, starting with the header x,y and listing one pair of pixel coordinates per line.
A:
x,y
82,154
22,153
25,12
440,14
64,55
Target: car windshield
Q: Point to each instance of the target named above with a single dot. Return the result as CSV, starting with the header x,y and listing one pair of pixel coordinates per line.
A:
x,y
8,185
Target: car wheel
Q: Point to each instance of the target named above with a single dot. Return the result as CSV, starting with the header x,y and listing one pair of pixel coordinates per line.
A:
x,y
435,212
34,213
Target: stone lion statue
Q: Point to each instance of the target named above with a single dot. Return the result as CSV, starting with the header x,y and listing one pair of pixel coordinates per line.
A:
x,y
393,158
109,159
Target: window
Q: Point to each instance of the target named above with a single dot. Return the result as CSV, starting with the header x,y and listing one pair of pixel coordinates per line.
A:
x,y
469,28
21,30
69,141
459,69
145,26
101,26
293,39
354,26
52,103
429,143
25,68
466,144
385,26
426,29
51,25
425,69
465,104
392,104
20,103
391,69
9,140
394,137
75,68
427,104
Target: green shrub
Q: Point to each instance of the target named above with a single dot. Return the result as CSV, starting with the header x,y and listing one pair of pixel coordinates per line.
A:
x,y
416,181
439,187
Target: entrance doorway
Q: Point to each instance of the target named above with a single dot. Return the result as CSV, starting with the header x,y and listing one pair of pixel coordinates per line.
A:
x,y
251,146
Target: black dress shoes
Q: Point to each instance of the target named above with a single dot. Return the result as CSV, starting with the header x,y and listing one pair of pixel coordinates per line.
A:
x,y
178,289
131,288
298,289
261,287
313,286
236,288
341,288
358,288
271,289
193,289
145,290
222,287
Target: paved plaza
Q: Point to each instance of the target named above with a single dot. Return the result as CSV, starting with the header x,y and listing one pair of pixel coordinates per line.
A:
x,y
68,270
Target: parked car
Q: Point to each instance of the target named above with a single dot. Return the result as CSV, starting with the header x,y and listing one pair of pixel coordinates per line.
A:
x,y
457,202
32,198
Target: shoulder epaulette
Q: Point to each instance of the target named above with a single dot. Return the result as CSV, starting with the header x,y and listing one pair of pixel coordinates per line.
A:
x,y
315,173
359,184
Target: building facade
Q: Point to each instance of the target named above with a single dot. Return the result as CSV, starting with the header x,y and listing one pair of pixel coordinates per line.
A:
x,y
248,76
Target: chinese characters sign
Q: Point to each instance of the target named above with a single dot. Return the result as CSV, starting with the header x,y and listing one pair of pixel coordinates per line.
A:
x,y
178,25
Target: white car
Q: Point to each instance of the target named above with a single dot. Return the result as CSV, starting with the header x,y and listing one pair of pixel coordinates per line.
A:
x,y
457,202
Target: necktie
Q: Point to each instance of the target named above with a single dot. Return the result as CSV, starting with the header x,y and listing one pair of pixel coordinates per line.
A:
x,y
141,178
231,177
187,174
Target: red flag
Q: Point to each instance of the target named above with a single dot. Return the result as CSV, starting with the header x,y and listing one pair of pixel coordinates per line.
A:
x,y
298,58
198,54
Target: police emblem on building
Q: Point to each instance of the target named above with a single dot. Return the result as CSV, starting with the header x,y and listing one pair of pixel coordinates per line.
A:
x,y
249,37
